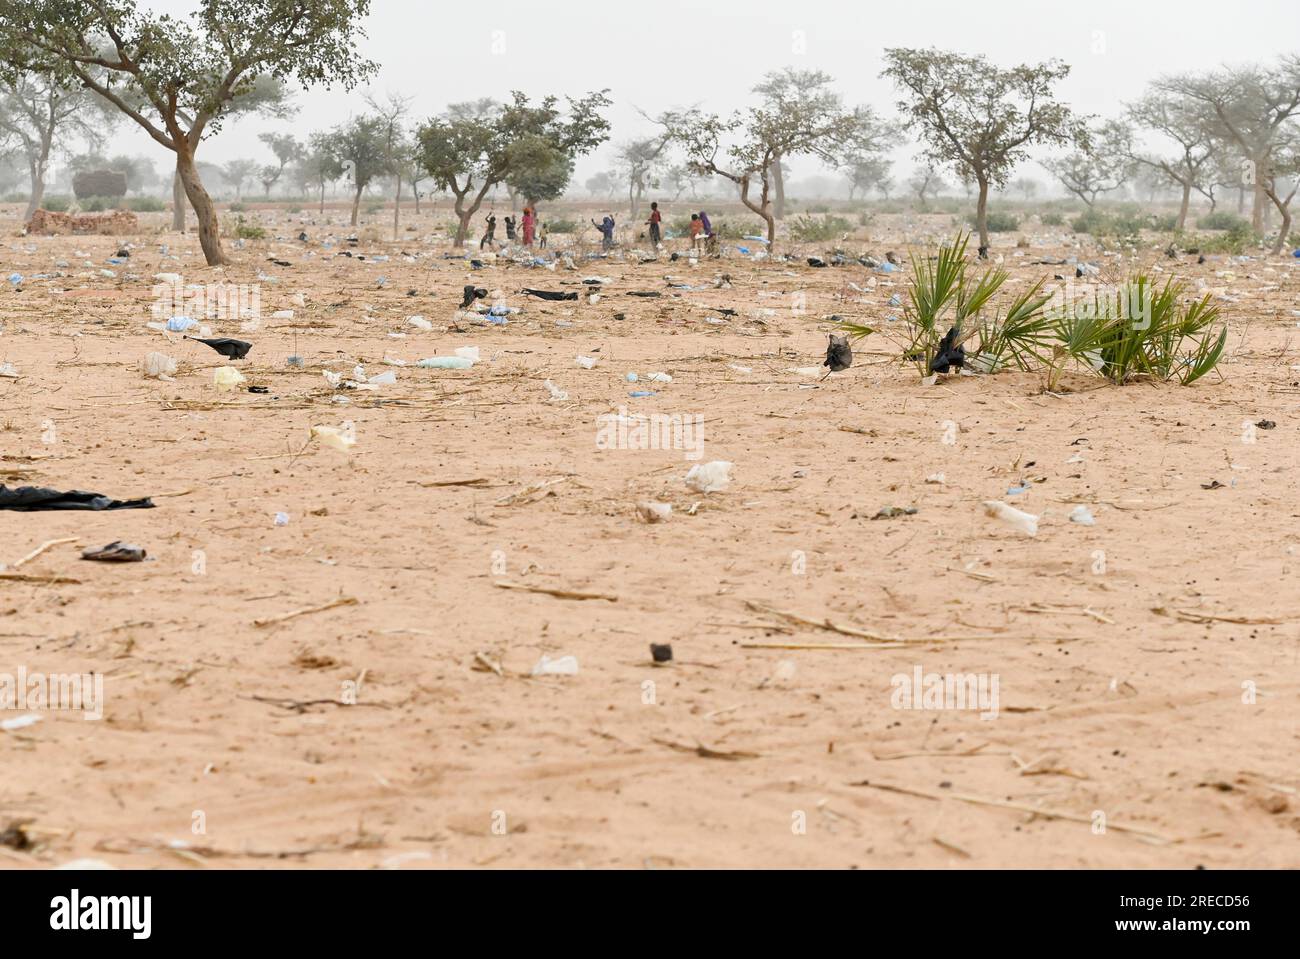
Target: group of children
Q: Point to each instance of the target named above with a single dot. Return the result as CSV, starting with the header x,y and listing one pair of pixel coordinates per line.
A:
x,y
531,227
700,230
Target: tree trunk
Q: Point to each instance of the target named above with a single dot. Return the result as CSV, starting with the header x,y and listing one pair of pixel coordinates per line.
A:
x,y
1257,209
982,215
415,191
778,184
204,212
1182,211
38,188
1241,200
322,197
397,208
356,204
1283,207
178,203
763,208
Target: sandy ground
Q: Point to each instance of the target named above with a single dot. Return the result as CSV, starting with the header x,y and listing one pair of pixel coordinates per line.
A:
x,y
1121,649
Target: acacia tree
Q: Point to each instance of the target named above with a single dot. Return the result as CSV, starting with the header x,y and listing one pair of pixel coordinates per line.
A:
x,y
1102,163
1176,119
926,182
318,165
1251,110
640,162
977,118
178,77
239,172
863,159
33,109
287,149
359,150
801,91
479,145
392,115
807,126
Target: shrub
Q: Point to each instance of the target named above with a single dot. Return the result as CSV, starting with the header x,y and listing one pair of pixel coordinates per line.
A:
x,y
98,204
56,203
1223,220
238,207
146,204
1000,222
562,225
1052,218
808,229
1121,334
16,197
248,231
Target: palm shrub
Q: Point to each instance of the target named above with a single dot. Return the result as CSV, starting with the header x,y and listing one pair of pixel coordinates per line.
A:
x,y
1121,332
1138,329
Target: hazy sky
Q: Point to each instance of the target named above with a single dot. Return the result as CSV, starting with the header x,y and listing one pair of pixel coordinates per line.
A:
x,y
666,53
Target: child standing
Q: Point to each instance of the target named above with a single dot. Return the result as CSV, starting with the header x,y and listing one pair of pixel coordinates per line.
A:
x,y
654,221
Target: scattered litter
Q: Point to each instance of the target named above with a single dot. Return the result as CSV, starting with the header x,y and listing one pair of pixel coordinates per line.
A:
x,y
894,512
1083,516
587,362
1024,522
710,477
19,722
564,666
420,323
661,652
341,438
445,363
557,394
32,499
116,552
230,349
158,366
281,519
653,512
226,378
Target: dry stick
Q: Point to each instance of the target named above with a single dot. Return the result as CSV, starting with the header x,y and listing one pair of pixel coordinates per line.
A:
x,y
558,593
1022,807
42,548
862,634
822,646
344,601
34,578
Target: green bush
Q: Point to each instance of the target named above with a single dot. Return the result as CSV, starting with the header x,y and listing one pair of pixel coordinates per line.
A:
x,y
16,197
809,229
146,204
56,203
98,204
1052,218
248,231
1223,220
1000,222
237,207
1235,241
